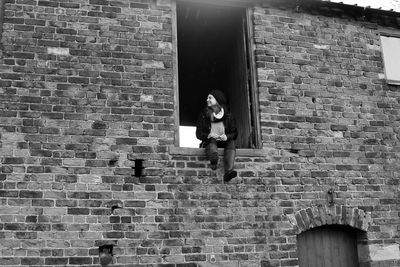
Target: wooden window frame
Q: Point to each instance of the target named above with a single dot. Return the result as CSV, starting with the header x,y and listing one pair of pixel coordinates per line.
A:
x,y
253,94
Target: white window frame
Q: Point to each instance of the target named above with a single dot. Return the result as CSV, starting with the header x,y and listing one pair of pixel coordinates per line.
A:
x,y
390,49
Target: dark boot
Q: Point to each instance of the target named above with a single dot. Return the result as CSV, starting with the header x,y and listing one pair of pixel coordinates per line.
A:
x,y
229,161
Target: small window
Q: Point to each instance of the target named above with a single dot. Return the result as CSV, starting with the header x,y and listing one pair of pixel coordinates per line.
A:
x,y
391,58
213,53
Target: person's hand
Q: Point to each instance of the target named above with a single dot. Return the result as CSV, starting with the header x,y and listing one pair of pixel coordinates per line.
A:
x,y
213,135
222,137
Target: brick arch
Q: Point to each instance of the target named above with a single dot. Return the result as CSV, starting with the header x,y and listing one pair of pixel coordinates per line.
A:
x,y
308,218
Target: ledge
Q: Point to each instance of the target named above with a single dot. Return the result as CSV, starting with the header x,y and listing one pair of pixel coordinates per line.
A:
x,y
240,152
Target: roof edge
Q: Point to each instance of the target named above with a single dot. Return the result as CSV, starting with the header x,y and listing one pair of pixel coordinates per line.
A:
x,y
332,9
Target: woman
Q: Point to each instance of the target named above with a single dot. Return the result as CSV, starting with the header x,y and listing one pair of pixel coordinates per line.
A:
x,y
216,127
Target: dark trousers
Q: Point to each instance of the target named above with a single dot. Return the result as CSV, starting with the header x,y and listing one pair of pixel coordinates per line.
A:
x,y
212,146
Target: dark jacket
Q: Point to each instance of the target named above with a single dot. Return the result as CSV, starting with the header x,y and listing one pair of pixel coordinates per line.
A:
x,y
203,126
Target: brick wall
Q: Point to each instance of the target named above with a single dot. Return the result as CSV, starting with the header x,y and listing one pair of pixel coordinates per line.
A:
x,y
87,89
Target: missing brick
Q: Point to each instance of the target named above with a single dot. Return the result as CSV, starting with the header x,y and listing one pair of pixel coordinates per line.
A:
x,y
138,168
112,162
106,254
114,207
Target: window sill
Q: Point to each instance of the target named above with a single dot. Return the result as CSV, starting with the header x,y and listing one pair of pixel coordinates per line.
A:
x,y
393,82
240,152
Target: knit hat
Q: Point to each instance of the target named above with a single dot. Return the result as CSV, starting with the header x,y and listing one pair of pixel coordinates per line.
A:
x,y
219,96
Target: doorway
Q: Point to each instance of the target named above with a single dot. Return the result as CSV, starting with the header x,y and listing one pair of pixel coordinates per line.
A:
x,y
328,246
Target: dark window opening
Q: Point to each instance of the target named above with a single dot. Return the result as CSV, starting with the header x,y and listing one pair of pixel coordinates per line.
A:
x,y
213,54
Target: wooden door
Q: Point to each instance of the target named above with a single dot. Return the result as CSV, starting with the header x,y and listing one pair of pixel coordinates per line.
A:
x,y
238,85
328,247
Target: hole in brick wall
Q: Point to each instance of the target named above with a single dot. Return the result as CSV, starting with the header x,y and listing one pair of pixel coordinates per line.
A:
x,y
294,151
313,99
138,167
114,207
105,254
212,259
112,162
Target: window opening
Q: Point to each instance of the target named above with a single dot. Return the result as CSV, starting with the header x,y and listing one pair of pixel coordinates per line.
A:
x,y
213,54
391,58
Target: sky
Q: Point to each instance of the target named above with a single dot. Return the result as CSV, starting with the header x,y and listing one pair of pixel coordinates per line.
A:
x,y
187,137
384,4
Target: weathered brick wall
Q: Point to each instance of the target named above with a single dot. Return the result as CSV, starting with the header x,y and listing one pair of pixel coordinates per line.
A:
x,y
87,88
327,109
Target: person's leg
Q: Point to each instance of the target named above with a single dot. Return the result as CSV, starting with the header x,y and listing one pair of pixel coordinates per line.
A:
x,y
212,152
229,160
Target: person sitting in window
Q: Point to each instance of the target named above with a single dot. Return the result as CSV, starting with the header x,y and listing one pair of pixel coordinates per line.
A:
x,y
216,127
